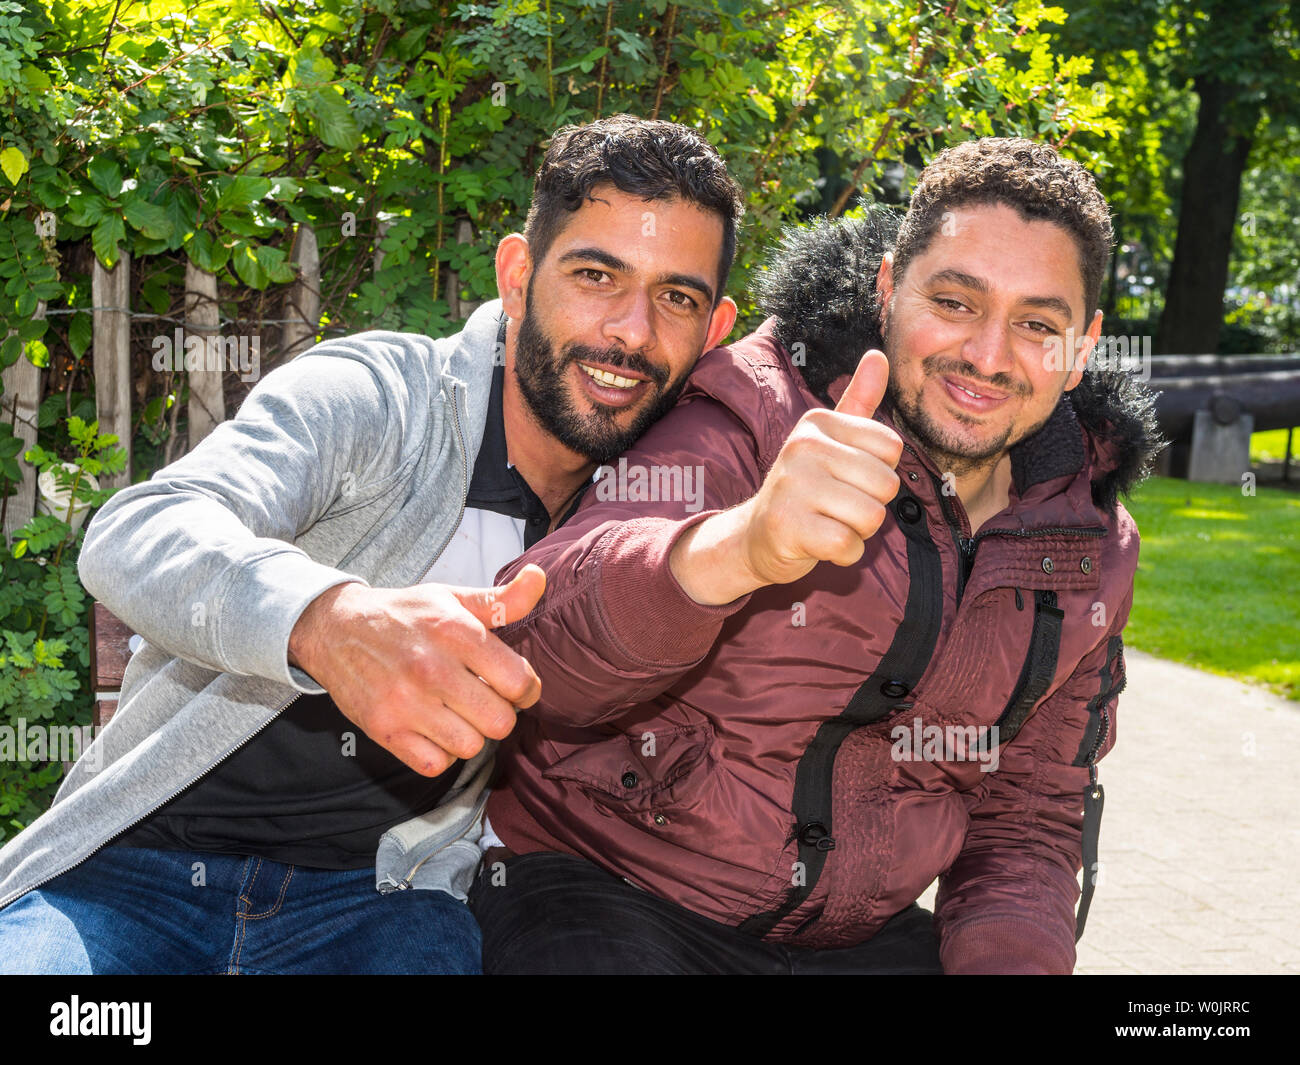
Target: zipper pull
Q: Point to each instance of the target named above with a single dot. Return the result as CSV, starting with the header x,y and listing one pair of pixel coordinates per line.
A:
x,y
1094,798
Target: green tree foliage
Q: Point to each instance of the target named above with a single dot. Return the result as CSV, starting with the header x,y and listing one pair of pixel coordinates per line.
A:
x,y
210,129
1205,93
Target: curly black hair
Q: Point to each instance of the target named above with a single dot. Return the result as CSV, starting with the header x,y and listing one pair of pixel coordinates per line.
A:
x,y
1032,178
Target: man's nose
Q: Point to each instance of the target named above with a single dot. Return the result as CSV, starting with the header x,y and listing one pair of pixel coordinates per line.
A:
x,y
630,322
988,348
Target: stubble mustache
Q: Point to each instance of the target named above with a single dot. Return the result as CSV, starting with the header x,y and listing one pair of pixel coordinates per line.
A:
x,y
1002,382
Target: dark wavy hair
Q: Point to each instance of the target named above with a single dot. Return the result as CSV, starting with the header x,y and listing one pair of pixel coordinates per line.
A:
x,y
652,159
1033,179
820,286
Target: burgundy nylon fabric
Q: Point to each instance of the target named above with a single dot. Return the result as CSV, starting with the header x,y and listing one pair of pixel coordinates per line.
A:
x,y
666,741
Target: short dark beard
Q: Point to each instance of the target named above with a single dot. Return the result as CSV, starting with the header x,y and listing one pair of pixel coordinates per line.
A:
x,y
948,454
540,373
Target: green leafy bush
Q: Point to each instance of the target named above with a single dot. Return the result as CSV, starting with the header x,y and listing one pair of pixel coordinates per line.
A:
x,y
44,644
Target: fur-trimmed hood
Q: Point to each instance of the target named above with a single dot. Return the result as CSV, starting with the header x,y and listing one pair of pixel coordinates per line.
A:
x,y
820,287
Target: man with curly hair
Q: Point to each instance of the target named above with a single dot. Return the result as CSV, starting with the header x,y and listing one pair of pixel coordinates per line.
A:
x,y
888,647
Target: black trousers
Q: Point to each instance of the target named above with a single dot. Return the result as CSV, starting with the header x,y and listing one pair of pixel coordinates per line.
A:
x,y
555,914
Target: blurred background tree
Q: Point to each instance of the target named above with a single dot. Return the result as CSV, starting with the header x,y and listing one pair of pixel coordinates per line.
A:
x,y
1202,181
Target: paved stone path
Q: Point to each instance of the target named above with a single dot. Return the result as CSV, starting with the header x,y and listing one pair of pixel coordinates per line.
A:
x,y
1200,840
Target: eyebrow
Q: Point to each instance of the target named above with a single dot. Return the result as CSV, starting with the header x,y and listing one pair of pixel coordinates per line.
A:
x,y
978,284
613,262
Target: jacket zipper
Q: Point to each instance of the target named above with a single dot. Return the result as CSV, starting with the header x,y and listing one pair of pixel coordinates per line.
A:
x,y
1102,732
464,477
968,545
480,803
965,546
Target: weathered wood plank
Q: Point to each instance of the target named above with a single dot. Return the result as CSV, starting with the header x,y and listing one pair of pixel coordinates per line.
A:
x,y
110,650
111,294
18,407
302,300
207,405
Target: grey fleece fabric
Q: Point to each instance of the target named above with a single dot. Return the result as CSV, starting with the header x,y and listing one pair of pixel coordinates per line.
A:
x,y
351,462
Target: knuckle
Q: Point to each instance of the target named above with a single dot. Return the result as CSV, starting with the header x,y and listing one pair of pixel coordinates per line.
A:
x,y
468,745
451,739
450,630
843,540
875,517
383,726
813,427
424,661
851,549
795,446
517,689
434,764
499,726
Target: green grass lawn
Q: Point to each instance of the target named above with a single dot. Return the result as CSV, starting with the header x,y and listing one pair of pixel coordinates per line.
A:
x,y
1271,447
1218,583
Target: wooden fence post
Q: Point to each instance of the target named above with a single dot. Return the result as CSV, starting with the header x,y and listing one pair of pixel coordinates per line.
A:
x,y
207,406
18,407
383,223
302,301
110,294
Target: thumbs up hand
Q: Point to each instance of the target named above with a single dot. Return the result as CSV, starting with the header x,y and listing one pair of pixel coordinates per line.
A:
x,y
419,669
867,388
822,499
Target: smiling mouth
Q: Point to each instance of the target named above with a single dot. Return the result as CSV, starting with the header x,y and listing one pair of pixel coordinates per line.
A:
x,y
609,379
975,394
974,391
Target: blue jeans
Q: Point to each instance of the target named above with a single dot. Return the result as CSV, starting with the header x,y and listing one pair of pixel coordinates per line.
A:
x,y
134,910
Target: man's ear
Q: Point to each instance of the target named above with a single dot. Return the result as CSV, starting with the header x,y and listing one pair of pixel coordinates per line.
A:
x,y
514,264
1087,343
720,323
885,287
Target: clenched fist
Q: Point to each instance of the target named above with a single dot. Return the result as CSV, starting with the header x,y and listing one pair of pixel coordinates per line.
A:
x,y
418,669
822,499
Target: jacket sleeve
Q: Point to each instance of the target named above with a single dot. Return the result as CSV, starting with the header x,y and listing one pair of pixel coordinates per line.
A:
x,y
1007,904
614,628
200,559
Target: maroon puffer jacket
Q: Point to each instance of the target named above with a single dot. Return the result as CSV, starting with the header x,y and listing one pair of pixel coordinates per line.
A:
x,y
774,763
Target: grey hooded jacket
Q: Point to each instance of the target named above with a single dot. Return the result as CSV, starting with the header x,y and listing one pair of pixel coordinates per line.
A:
x,y
351,462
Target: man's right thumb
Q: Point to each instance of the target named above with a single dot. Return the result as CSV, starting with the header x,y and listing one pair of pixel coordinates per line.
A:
x,y
506,602
867,388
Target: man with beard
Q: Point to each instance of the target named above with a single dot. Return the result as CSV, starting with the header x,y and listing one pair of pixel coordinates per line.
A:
x,y
313,712
887,649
